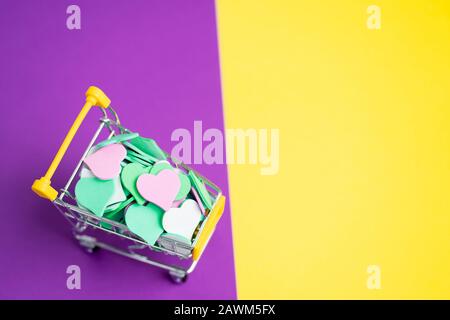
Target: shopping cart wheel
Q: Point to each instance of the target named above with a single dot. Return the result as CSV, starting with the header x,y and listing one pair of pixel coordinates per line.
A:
x,y
91,250
88,243
178,277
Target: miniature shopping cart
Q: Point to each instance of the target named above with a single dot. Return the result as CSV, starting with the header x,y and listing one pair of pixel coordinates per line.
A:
x,y
83,220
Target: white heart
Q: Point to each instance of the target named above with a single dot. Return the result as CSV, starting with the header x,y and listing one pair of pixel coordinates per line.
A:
x,y
184,220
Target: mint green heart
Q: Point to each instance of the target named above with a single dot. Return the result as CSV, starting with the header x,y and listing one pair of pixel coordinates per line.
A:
x,y
139,156
185,185
130,174
133,150
117,139
149,146
200,187
132,158
94,194
160,166
116,214
145,221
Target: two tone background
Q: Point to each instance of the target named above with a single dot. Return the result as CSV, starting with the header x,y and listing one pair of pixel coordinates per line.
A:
x,y
363,115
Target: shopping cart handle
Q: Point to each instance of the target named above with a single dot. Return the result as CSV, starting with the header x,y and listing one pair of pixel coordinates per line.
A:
x,y
42,186
213,218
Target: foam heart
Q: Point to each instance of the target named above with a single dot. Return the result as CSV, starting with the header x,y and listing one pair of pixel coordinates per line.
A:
x,y
118,195
94,194
145,221
130,174
160,166
117,207
136,152
185,185
116,214
160,189
184,220
117,139
136,157
200,187
105,162
148,146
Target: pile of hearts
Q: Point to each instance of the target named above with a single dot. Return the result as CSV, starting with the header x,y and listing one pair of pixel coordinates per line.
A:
x,y
128,179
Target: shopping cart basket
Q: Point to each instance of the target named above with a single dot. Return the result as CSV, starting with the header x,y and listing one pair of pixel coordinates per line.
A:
x,y
83,220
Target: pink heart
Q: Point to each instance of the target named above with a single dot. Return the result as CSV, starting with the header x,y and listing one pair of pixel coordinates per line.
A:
x,y
105,162
161,189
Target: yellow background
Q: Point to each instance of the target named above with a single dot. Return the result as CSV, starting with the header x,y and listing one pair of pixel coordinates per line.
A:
x,y
364,125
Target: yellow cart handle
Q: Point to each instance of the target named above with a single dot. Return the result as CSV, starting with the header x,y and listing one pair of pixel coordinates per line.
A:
x,y
208,229
42,186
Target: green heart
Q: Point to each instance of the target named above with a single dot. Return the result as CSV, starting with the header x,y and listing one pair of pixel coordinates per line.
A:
x,y
140,157
160,166
149,146
116,214
130,174
145,221
116,139
133,150
132,158
200,187
94,194
185,185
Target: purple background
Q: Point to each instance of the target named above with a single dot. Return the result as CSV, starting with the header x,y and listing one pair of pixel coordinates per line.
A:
x,y
158,62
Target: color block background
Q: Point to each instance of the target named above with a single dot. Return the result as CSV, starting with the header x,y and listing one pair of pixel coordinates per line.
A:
x,y
158,62
364,135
